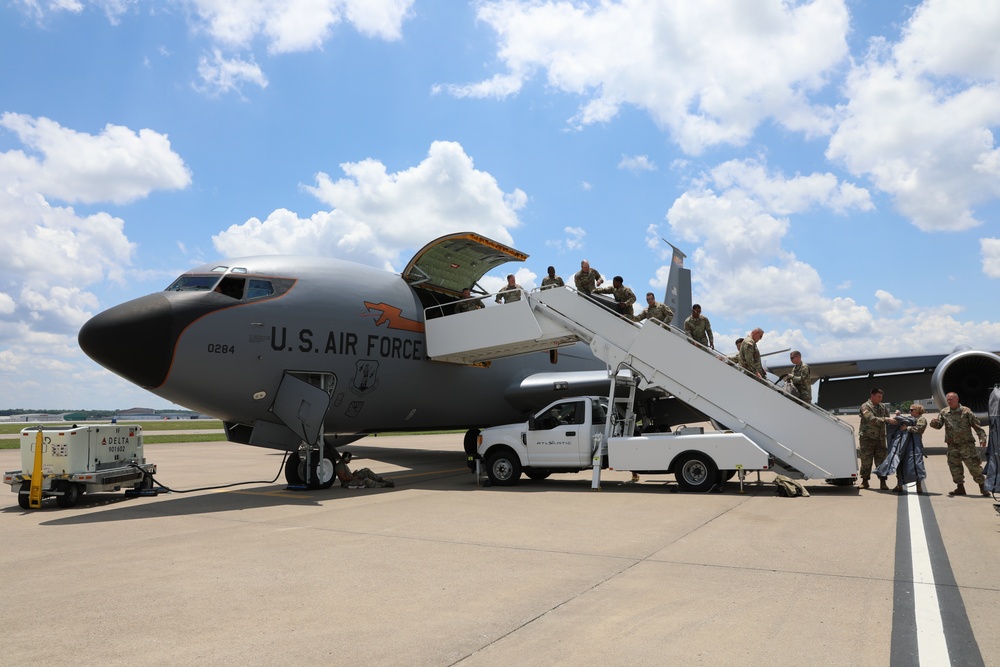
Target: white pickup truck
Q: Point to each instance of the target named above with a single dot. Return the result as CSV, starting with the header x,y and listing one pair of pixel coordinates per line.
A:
x,y
568,436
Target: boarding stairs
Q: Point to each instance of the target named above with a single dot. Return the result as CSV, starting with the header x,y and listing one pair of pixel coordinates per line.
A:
x,y
805,440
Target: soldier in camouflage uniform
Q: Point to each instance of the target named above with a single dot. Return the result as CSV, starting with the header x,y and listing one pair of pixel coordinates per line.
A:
x,y
363,478
798,383
469,305
552,280
587,279
735,358
655,310
510,293
871,437
750,355
624,296
699,328
959,422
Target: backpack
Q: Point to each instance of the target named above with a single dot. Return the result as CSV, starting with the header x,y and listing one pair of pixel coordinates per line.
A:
x,y
789,488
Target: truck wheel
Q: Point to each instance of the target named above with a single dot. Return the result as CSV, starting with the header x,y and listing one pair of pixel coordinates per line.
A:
x,y
696,472
537,475
503,468
70,496
24,499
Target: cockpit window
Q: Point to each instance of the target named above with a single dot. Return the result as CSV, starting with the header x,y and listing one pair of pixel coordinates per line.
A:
x,y
232,286
193,284
259,288
236,285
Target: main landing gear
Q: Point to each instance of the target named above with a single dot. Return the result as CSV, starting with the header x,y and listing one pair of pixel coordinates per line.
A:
x,y
322,475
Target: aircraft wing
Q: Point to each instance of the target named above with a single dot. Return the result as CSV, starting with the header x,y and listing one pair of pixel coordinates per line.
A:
x,y
848,382
852,367
451,263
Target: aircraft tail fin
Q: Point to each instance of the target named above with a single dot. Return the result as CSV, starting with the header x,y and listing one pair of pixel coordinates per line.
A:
x,y
678,294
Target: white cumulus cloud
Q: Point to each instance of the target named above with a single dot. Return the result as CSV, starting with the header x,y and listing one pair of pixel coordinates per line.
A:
x,y
636,163
921,115
990,249
374,215
118,165
710,71
59,253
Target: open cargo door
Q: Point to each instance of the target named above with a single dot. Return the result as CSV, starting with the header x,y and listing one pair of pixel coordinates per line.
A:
x,y
451,263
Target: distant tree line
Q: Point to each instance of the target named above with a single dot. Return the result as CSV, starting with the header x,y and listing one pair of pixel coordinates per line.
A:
x,y
82,414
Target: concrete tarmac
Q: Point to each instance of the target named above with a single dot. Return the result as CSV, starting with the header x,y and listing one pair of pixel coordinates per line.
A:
x,y
440,571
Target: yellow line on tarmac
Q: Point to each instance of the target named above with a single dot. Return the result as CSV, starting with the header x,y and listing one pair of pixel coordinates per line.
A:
x,y
285,493
424,474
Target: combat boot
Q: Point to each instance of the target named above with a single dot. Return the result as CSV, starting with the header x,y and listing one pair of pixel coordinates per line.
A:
x,y
864,483
959,490
920,487
982,489
882,485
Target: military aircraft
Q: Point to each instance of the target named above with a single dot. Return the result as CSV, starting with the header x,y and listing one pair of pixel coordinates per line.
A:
x,y
291,350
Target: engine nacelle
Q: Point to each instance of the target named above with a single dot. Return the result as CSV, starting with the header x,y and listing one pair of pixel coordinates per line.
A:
x,y
971,374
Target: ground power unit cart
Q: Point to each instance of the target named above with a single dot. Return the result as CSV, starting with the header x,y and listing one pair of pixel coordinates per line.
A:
x,y
68,462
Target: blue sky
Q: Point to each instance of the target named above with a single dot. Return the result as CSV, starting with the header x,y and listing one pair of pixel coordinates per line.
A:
x,y
829,167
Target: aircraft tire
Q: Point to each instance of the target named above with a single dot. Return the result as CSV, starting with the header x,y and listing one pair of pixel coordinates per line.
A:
x,y
326,472
295,471
24,499
292,475
70,496
696,472
503,468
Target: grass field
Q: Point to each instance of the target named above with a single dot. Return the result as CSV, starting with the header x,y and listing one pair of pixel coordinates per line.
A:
x,y
209,430
162,425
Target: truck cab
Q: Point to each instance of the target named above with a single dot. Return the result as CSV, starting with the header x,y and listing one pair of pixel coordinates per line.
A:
x,y
560,438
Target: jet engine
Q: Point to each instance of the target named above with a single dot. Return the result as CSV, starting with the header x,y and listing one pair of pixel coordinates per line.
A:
x,y
971,374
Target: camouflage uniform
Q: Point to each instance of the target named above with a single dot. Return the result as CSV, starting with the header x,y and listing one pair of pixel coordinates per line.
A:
x,y
749,357
509,293
657,311
586,282
466,306
624,297
958,426
871,436
799,382
364,477
552,282
700,330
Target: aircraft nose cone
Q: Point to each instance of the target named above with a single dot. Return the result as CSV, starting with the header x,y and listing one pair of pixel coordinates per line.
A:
x,y
134,340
